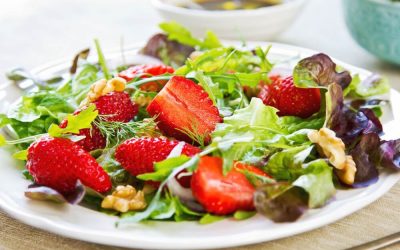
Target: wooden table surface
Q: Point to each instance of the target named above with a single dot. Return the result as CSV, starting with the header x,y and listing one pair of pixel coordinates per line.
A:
x,y
36,32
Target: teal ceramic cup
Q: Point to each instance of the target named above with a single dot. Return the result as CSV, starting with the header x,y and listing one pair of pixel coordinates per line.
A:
x,y
375,25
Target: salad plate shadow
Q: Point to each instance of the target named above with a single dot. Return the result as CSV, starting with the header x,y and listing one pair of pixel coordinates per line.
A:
x,y
81,223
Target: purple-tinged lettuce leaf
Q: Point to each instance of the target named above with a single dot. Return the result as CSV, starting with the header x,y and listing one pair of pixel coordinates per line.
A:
x,y
169,52
363,155
281,202
371,153
43,193
334,104
319,71
389,154
373,104
81,55
348,123
285,202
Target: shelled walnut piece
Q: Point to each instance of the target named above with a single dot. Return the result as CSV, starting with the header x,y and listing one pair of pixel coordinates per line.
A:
x,y
334,149
103,87
124,199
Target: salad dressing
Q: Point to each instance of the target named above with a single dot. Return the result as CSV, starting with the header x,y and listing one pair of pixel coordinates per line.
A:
x,y
228,4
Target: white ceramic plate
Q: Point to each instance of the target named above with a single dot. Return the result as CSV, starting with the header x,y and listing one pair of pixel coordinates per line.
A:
x,y
81,223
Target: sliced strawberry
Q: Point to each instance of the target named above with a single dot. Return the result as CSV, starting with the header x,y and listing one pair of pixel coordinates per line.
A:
x,y
145,71
58,163
290,100
221,194
138,155
183,106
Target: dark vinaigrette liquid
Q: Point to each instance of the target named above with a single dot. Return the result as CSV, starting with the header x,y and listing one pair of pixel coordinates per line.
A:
x,y
232,4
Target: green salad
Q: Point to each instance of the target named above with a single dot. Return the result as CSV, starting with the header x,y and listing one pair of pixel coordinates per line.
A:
x,y
207,133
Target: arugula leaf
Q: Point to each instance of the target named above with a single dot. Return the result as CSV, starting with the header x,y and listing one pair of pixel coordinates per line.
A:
x,y
157,199
254,127
75,122
211,40
243,215
209,218
177,32
20,155
265,64
164,168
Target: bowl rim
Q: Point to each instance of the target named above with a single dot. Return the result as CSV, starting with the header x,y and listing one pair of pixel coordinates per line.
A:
x,y
162,6
386,3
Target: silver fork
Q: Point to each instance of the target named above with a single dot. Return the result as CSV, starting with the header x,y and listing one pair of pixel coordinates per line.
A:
x,y
379,243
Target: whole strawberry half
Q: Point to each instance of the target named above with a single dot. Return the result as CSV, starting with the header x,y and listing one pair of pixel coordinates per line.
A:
x,y
138,155
221,194
93,137
58,163
117,107
183,106
145,71
290,100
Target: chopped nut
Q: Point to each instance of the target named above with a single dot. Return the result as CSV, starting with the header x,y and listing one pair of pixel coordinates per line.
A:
x,y
347,175
124,199
334,149
331,146
103,87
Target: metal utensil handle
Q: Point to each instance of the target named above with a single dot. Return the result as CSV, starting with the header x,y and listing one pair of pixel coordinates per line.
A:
x,y
379,243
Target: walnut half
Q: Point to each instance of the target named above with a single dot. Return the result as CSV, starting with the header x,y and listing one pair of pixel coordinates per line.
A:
x,y
103,87
333,148
124,199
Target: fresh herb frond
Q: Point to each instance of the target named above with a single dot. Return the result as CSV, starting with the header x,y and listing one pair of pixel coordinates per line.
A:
x,y
193,135
116,132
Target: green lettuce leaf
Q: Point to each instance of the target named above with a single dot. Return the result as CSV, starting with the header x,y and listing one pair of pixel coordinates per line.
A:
x,y
371,86
287,164
286,202
317,182
75,122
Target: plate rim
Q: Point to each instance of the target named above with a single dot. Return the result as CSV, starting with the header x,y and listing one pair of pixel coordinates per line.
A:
x,y
246,238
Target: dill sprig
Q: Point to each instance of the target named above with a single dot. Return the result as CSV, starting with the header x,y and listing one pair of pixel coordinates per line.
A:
x,y
196,137
117,132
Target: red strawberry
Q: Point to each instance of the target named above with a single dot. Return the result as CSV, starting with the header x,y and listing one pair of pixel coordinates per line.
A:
x,y
183,105
93,137
147,70
221,194
58,163
290,100
118,107
137,155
